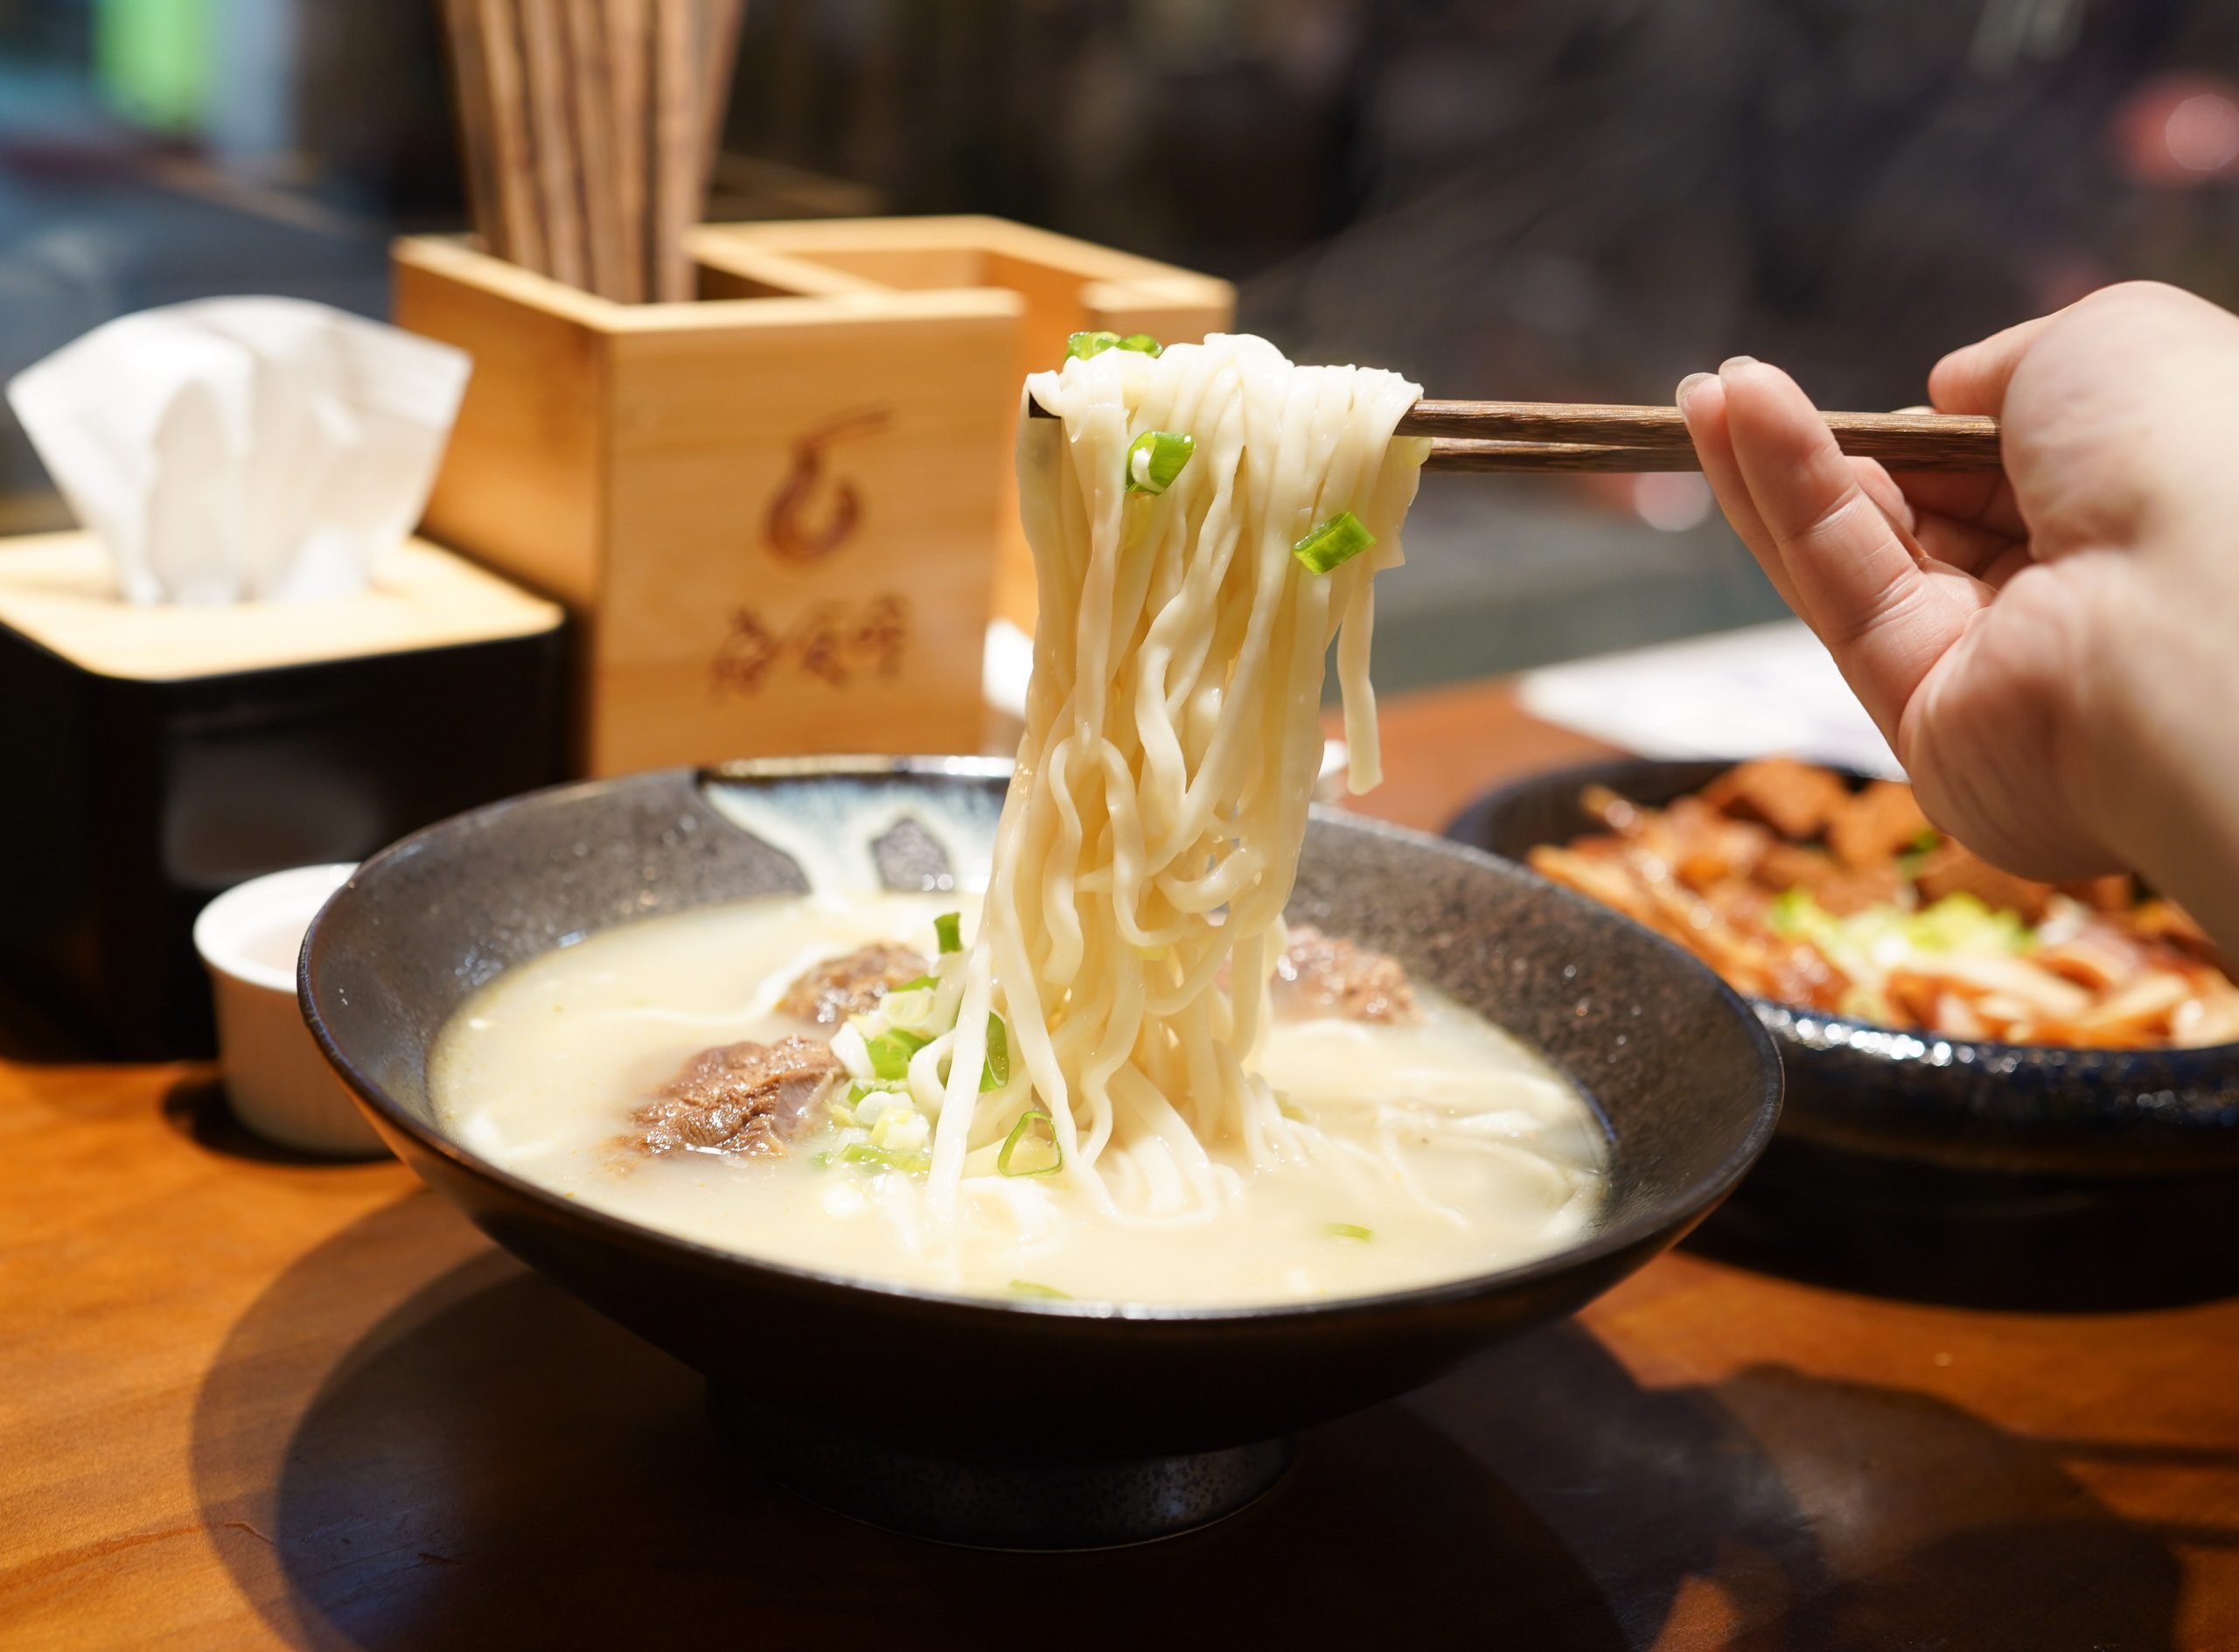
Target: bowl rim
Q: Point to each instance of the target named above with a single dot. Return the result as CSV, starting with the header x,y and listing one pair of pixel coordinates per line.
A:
x,y
1646,1228
1785,1014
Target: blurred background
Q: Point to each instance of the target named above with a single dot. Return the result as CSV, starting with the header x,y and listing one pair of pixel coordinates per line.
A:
x,y
1574,199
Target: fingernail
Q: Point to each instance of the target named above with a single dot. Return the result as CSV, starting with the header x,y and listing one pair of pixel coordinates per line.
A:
x,y
1731,362
1689,385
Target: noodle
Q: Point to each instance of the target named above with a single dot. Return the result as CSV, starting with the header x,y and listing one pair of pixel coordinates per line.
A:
x,y
1151,836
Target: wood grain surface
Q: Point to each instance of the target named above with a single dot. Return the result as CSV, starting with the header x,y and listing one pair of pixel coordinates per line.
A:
x,y
250,1402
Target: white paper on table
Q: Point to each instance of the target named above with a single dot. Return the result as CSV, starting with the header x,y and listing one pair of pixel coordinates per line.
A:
x,y
1761,691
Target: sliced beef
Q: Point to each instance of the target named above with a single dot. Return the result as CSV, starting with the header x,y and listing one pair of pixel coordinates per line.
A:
x,y
2166,922
2117,892
744,1098
1800,973
1874,827
1841,890
1703,847
1797,800
840,987
1321,975
1950,868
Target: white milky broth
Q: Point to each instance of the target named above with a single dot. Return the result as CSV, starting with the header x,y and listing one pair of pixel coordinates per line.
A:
x,y
1438,1149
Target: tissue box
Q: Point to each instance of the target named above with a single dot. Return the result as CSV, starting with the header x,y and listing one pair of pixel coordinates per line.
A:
x,y
156,756
778,514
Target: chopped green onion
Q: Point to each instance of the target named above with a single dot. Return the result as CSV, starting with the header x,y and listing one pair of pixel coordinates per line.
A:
x,y
1081,346
912,1011
1030,1287
1349,1230
1155,458
821,1161
890,1052
919,985
996,1073
1916,854
914,1164
1333,544
1018,1133
950,928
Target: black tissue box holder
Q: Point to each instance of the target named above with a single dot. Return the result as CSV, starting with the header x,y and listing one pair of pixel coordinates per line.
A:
x,y
156,757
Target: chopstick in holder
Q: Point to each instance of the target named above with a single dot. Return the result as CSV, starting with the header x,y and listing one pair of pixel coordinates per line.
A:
x,y
1485,438
559,191
724,22
679,93
629,68
589,131
509,129
470,96
1534,435
592,99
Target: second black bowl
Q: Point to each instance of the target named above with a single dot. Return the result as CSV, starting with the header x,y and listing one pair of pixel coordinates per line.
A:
x,y
1961,1170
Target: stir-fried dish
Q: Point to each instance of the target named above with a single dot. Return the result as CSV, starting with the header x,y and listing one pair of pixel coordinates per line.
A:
x,y
1795,888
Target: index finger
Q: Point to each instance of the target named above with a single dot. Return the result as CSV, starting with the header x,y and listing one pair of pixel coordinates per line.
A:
x,y
1884,618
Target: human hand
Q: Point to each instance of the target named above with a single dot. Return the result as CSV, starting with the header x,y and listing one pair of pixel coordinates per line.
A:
x,y
2052,653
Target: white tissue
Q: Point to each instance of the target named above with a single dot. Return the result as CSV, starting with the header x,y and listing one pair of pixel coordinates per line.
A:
x,y
243,449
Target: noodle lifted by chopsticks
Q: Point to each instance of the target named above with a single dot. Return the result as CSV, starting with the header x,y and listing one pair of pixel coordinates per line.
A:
x,y
1151,833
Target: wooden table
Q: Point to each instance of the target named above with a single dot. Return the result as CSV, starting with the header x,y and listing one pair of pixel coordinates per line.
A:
x,y
250,1402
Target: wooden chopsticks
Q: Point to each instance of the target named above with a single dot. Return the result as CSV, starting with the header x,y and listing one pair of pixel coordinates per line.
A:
x,y
1485,438
589,130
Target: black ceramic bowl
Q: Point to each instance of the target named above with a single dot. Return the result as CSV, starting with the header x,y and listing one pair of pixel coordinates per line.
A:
x,y
1169,1415
2015,1144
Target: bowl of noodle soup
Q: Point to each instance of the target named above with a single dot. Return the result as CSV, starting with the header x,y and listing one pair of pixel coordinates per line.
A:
x,y
1027,1151
1149,1415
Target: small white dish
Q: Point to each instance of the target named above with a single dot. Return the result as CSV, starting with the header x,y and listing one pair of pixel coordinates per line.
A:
x,y
280,1086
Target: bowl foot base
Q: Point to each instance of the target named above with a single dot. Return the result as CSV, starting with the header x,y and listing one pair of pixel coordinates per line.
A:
x,y
998,1503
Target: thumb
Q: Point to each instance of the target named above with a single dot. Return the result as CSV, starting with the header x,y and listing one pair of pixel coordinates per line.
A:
x,y
1974,378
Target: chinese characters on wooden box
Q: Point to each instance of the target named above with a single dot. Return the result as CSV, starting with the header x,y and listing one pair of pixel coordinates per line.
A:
x,y
779,514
